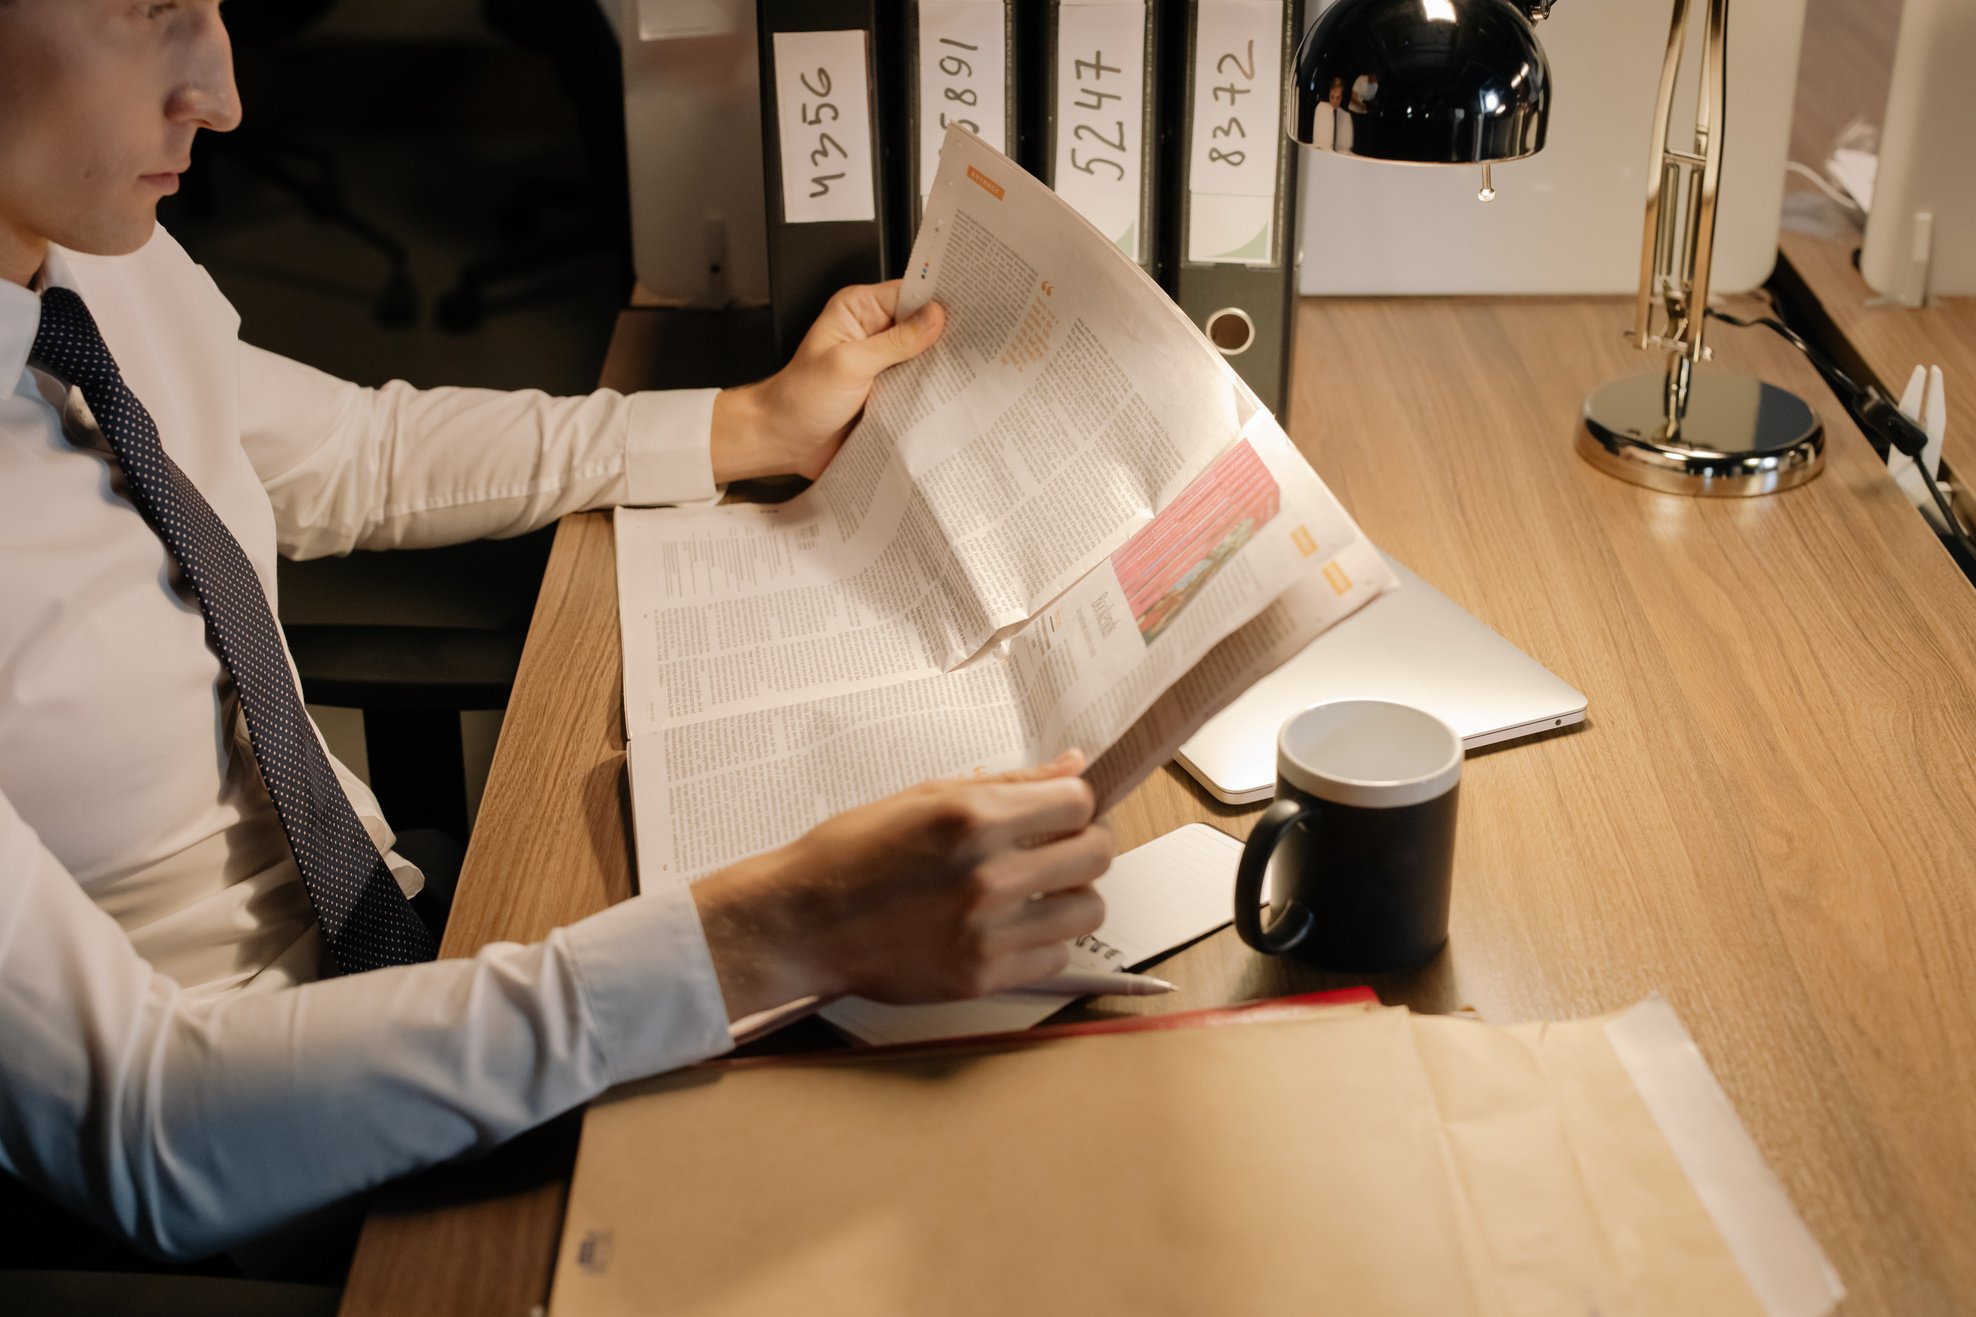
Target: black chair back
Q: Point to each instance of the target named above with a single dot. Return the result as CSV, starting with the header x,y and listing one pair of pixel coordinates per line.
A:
x,y
251,21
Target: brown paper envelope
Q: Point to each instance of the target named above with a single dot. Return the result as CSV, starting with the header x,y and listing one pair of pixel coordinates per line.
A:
x,y
1354,1162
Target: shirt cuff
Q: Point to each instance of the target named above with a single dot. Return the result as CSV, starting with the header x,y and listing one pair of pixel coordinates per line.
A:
x,y
668,448
649,981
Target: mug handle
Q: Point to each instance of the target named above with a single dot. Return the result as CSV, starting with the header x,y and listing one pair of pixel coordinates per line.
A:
x,y
1294,924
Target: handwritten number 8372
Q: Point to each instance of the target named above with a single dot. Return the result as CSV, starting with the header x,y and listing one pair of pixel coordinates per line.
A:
x,y
1232,91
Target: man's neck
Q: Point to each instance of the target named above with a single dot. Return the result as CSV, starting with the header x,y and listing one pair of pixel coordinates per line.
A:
x,y
21,255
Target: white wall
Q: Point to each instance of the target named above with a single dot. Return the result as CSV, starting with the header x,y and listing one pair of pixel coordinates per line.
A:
x,y
1569,219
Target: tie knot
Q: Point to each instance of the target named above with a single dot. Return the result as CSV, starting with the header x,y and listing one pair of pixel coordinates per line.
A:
x,y
68,344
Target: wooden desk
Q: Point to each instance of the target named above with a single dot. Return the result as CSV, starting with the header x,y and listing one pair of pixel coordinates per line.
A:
x,y
1768,817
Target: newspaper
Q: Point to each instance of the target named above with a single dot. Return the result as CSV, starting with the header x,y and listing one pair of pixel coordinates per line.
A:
x,y
1066,524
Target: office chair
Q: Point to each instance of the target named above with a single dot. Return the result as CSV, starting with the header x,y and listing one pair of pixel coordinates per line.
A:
x,y
595,209
305,172
425,635
411,684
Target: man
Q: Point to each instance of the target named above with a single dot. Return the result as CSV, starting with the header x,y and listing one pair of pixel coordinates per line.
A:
x,y
217,1012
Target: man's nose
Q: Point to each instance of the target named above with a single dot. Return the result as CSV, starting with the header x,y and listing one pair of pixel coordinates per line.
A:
x,y
208,98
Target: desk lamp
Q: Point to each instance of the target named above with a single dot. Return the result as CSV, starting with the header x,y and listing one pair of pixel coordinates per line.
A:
x,y
1464,82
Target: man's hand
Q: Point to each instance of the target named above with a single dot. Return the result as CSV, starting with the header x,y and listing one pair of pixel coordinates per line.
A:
x,y
793,422
949,890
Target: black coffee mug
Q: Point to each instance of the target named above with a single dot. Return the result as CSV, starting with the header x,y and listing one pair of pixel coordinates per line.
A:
x,y
1363,834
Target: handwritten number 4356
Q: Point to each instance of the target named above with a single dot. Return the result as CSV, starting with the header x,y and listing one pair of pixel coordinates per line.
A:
x,y
813,115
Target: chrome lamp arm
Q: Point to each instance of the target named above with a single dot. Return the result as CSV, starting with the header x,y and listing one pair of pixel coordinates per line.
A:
x,y
1677,247
1684,430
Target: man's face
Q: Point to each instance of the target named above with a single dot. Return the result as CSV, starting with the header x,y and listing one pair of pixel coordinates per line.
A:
x,y
99,102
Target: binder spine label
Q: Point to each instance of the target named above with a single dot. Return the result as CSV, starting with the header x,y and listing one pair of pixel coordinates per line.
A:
x,y
963,77
1236,130
823,118
1100,164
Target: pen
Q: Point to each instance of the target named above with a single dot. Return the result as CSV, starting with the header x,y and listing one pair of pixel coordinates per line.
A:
x,y
1107,983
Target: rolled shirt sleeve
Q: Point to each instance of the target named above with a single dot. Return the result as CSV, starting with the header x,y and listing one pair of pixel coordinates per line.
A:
x,y
348,467
188,1126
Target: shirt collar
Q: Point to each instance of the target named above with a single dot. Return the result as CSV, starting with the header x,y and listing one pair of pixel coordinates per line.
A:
x,y
20,317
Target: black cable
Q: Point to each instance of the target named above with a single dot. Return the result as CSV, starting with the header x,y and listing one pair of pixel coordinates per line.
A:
x,y
1874,410
1826,366
1948,513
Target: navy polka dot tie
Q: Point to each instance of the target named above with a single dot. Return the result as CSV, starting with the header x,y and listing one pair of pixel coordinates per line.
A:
x,y
366,920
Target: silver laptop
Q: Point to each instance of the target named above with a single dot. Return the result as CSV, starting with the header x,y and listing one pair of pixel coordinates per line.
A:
x,y
1413,645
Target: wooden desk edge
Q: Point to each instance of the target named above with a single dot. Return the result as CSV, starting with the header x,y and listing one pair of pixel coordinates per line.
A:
x,y
1824,290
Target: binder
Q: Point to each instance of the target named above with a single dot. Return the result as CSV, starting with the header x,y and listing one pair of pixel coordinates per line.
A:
x,y
1097,78
960,62
1230,259
825,134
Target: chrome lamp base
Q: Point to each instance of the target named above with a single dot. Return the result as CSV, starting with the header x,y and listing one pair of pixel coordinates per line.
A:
x,y
1689,432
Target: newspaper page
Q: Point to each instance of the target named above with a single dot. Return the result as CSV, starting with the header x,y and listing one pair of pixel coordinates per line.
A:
x,y
1257,524
1066,402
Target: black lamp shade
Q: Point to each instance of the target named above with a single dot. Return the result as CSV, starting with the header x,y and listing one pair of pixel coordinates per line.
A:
x,y
1429,82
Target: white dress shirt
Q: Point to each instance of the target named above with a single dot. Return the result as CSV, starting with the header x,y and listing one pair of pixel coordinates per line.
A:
x,y
169,1065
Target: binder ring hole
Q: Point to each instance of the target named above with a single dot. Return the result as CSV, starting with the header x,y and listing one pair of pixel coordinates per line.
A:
x,y
1231,330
